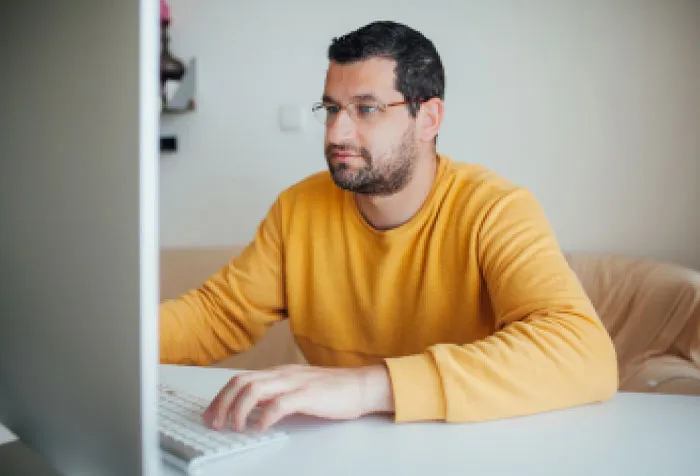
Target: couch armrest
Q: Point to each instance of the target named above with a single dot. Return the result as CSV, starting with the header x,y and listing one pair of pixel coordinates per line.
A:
x,y
665,374
680,386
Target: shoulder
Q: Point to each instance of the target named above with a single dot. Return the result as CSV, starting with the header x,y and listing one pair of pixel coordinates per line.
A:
x,y
473,184
313,191
316,184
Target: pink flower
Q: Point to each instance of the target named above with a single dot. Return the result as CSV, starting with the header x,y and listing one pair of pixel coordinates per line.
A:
x,y
164,11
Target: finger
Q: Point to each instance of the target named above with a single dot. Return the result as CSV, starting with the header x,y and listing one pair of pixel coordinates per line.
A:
x,y
218,409
210,412
217,413
221,392
258,392
284,405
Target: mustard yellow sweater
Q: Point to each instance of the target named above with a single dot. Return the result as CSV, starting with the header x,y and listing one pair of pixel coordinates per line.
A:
x,y
470,304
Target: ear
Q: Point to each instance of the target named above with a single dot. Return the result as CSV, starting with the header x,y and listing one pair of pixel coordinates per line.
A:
x,y
430,117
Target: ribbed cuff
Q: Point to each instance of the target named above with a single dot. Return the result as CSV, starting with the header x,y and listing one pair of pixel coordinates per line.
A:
x,y
417,388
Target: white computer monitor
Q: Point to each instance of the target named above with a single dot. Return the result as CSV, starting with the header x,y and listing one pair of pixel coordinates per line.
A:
x,y
78,241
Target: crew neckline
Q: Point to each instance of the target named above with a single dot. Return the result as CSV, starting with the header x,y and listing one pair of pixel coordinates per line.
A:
x,y
415,221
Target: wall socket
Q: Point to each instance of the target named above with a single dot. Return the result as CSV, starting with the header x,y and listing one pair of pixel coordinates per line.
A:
x,y
291,118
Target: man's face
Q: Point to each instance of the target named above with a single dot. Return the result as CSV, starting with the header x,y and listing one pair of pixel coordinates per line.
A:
x,y
375,153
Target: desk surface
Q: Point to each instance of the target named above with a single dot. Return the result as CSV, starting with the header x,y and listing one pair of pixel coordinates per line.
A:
x,y
640,434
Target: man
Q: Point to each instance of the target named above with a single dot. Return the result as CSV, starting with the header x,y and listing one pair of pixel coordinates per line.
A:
x,y
414,285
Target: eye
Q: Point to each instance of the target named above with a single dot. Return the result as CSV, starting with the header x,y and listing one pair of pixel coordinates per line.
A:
x,y
331,109
364,110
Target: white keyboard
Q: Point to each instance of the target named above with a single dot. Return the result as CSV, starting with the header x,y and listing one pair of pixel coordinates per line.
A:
x,y
189,444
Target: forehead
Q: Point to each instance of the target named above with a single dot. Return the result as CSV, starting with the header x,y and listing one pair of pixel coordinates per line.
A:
x,y
374,76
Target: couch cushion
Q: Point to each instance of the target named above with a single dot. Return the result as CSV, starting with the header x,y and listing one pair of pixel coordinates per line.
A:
x,y
650,308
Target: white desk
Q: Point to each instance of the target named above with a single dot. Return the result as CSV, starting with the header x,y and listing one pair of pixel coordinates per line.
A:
x,y
633,434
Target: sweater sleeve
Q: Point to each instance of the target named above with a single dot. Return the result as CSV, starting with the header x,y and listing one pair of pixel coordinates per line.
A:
x,y
549,351
233,308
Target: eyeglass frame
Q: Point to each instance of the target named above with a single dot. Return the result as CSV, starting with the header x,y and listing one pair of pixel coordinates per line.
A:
x,y
382,107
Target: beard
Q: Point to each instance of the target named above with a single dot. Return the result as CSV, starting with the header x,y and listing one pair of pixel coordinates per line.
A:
x,y
376,177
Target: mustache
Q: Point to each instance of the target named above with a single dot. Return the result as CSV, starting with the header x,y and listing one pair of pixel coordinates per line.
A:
x,y
361,151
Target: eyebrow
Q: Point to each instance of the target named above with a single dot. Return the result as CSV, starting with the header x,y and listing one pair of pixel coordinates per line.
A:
x,y
358,97
365,97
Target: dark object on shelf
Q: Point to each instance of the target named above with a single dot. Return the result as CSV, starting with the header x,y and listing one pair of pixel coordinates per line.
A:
x,y
168,144
183,99
170,66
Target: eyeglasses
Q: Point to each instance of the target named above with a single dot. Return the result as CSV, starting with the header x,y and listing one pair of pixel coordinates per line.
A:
x,y
362,112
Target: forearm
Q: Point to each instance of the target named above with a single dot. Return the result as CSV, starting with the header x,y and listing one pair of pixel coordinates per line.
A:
x,y
188,335
211,324
541,363
375,387
232,309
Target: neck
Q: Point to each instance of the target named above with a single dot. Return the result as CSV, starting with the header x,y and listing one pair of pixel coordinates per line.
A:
x,y
392,211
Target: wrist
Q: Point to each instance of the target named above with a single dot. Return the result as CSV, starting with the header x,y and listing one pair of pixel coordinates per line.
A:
x,y
376,392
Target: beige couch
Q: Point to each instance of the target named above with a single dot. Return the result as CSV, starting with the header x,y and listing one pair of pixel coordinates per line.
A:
x,y
651,309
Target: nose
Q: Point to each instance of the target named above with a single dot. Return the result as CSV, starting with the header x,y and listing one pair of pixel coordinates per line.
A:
x,y
341,129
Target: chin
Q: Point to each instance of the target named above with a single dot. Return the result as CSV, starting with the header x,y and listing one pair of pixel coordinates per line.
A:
x,y
341,170
342,175
344,180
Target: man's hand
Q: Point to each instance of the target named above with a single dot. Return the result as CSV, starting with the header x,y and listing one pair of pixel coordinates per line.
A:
x,y
333,393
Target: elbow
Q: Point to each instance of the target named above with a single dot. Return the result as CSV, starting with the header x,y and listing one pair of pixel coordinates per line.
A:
x,y
602,373
590,368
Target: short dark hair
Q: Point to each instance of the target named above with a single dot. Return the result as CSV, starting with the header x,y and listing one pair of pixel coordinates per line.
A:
x,y
419,71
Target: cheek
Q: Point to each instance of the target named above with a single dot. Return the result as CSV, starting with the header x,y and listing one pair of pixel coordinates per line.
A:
x,y
378,139
383,141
